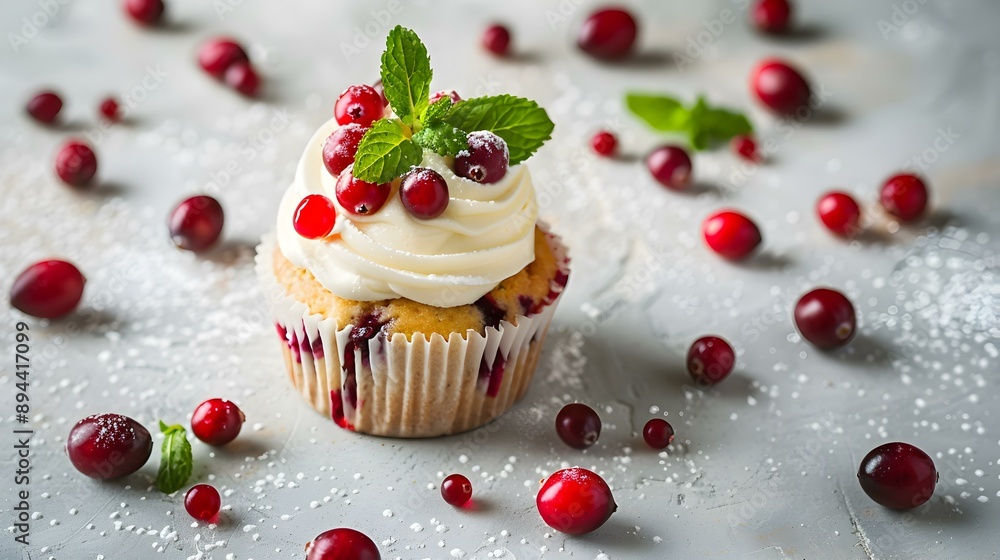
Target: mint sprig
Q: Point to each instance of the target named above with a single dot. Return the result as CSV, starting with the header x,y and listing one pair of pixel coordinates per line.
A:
x,y
703,124
442,138
406,74
386,152
520,122
176,462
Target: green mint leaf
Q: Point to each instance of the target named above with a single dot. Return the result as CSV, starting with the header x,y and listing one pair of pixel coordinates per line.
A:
x,y
175,461
442,138
520,122
385,152
406,74
703,124
437,111
661,112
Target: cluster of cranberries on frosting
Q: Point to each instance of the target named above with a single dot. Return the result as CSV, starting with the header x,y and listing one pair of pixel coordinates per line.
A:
x,y
840,213
826,318
360,197
710,360
76,163
904,196
424,193
608,34
203,502
196,223
578,425
44,107
898,475
772,16
359,104
107,446
604,143
342,544
658,433
314,217
456,490
731,234
217,421
485,160
575,501
780,87
145,12
496,39
341,147
47,289
670,166
224,59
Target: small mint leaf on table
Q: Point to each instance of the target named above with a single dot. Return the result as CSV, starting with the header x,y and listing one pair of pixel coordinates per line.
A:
x,y
661,112
702,123
522,124
442,138
406,74
385,152
176,461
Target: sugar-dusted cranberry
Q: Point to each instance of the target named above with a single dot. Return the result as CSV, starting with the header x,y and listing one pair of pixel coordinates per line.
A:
x,y
658,433
196,223
145,12
45,106
608,34
424,193
110,110
904,196
840,213
772,16
217,55
243,78
898,475
496,39
341,147
578,425
731,234
202,502
604,143
825,317
217,421
486,159
47,289
671,166
449,93
378,87
314,217
780,87
108,446
359,104
360,197
456,490
710,360
342,544
745,146
575,501
76,163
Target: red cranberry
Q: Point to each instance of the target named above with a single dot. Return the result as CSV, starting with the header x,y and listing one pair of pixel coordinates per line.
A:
x,y
604,143
76,163
780,87
578,425
772,16
202,502
496,39
108,446
671,166
898,475
745,147
904,196
378,87
840,213
243,78
449,93
196,223
825,318
110,110
314,217
608,34
217,421
575,501
359,104
45,106
731,234
217,55
145,12
486,159
424,193
342,544
710,360
658,433
456,490
341,147
360,197
47,289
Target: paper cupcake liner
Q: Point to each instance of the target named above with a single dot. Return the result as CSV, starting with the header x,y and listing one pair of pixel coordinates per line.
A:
x,y
423,387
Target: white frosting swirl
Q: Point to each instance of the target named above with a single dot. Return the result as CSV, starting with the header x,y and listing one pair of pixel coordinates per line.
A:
x,y
486,234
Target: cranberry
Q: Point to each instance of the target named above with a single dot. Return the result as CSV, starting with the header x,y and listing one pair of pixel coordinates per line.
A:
x,y
47,289
840,213
780,87
108,446
496,39
314,217
202,502
341,147
578,425
731,234
604,143
608,34
449,93
342,544
424,193
745,147
658,433
217,421
76,163
772,16
486,159
825,317
710,360
456,490
575,501
109,109
377,86
671,166
359,104
904,196
195,224
360,197
45,106
243,78
898,475
217,55
145,12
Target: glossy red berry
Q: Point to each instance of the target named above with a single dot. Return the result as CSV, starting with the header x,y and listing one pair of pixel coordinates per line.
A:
x,y
840,213
671,166
217,421
449,93
898,475
710,360
731,234
44,107
359,104
780,87
145,12
203,502
196,223
108,446
314,217
47,289
110,110
341,147
485,160
578,425
243,78
826,318
456,490
360,197
904,196
76,163
575,501
604,143
745,147
658,433
342,544
772,16
424,193
608,34
217,55
496,39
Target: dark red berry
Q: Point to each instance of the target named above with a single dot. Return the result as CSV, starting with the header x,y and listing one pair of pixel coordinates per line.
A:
x,y
424,193
44,107
449,93
898,475
217,421
496,39
341,147
243,78
76,163
47,289
608,34
745,147
108,446
196,223
145,12
772,16
314,217
658,433
780,87
377,86
456,490
359,104
361,197
342,544
604,143
710,360
731,234
826,318
110,110
202,502
486,159
578,425
217,55
671,166
904,196
575,501
840,213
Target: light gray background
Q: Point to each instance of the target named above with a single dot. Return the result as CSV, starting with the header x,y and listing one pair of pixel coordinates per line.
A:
x,y
764,465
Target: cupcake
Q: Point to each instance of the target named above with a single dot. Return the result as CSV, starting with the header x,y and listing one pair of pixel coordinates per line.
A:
x,y
411,283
